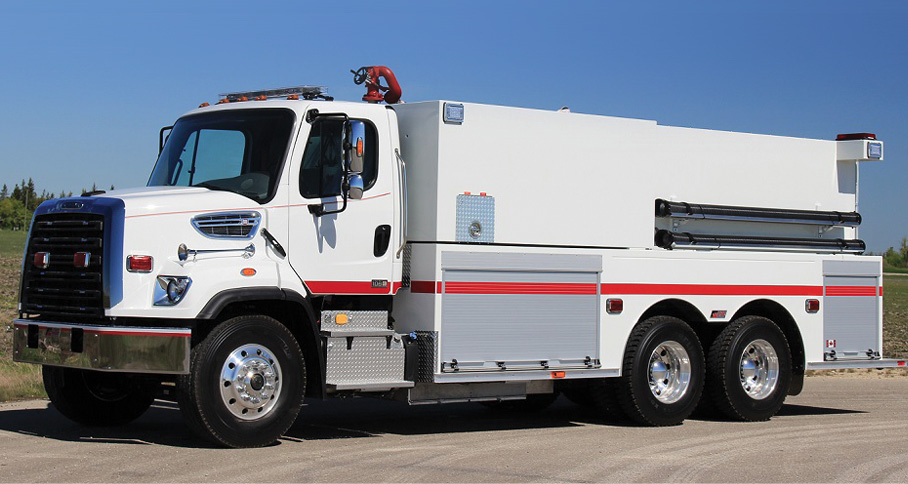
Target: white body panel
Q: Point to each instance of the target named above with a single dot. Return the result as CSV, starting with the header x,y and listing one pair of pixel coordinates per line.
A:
x,y
574,179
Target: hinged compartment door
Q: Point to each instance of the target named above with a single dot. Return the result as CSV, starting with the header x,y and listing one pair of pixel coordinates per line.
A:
x,y
851,310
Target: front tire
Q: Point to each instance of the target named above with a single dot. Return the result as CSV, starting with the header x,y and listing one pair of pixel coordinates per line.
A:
x,y
662,374
246,383
749,369
98,398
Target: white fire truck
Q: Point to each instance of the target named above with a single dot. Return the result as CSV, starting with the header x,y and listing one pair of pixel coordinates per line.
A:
x,y
289,246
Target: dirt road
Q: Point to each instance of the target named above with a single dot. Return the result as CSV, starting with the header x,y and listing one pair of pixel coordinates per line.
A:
x,y
840,429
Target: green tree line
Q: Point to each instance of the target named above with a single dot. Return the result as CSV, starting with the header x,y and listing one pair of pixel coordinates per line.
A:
x,y
18,205
897,258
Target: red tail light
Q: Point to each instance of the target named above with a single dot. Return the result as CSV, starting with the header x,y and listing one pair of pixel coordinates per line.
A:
x,y
42,260
812,305
139,263
82,259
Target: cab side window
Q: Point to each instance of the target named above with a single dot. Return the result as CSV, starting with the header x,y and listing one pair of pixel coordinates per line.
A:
x,y
322,169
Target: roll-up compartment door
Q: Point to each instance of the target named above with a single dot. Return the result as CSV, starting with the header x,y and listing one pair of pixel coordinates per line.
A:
x,y
851,310
509,311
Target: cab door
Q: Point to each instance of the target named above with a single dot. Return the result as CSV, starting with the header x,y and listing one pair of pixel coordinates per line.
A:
x,y
350,251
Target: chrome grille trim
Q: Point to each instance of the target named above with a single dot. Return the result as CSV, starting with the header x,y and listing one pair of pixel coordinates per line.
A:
x,y
228,225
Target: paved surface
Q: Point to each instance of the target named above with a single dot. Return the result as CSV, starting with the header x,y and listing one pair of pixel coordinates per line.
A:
x,y
840,429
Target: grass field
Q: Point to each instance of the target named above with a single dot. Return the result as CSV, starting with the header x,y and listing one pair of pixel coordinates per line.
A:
x,y
16,380
22,381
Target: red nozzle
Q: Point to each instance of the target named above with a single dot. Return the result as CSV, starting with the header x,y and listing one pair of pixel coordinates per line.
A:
x,y
370,76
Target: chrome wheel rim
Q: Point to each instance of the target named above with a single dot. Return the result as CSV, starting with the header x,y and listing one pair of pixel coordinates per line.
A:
x,y
250,382
759,369
669,372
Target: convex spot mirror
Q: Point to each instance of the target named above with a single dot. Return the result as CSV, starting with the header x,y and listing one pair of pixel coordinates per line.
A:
x,y
354,154
355,187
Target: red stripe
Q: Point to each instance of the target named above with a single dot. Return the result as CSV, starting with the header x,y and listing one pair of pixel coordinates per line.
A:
x,y
253,208
114,332
711,290
425,287
881,290
347,287
140,333
431,287
851,290
518,288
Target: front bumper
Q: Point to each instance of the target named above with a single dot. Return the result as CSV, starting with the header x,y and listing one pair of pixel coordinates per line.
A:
x,y
104,348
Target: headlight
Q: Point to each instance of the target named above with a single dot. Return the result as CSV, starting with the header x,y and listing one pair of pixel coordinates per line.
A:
x,y
170,290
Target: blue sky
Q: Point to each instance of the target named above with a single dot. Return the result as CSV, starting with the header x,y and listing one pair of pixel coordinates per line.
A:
x,y
87,85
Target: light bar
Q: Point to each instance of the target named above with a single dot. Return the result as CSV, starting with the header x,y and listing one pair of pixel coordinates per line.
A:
x,y
853,136
305,92
666,208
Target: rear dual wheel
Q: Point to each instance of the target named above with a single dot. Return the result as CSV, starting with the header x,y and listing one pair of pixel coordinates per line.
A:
x,y
749,369
662,373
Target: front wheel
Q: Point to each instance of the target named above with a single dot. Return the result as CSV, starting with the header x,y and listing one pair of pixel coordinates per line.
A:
x,y
662,374
98,398
246,383
749,369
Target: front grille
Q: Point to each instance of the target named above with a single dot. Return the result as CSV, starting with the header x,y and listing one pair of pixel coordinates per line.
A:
x,y
65,289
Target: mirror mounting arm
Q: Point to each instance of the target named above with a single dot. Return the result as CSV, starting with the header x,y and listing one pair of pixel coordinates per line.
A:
x,y
319,210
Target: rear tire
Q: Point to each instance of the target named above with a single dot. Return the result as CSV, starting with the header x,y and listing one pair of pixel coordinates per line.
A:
x,y
246,383
749,369
98,398
662,373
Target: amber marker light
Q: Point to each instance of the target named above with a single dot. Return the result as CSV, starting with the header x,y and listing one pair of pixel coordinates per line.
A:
x,y
341,319
557,374
248,272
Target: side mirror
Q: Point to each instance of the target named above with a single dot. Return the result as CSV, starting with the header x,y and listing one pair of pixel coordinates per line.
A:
x,y
355,187
354,145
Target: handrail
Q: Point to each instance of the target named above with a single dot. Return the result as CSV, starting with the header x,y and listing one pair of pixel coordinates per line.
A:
x,y
402,177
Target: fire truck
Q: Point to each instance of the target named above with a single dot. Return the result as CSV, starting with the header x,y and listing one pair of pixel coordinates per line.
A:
x,y
290,246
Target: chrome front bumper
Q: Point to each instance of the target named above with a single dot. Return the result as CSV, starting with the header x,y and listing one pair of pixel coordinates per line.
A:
x,y
104,348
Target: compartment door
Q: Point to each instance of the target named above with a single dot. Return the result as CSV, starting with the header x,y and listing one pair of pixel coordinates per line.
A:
x,y
852,319
517,311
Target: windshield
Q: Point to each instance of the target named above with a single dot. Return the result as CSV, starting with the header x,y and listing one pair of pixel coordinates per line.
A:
x,y
237,151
